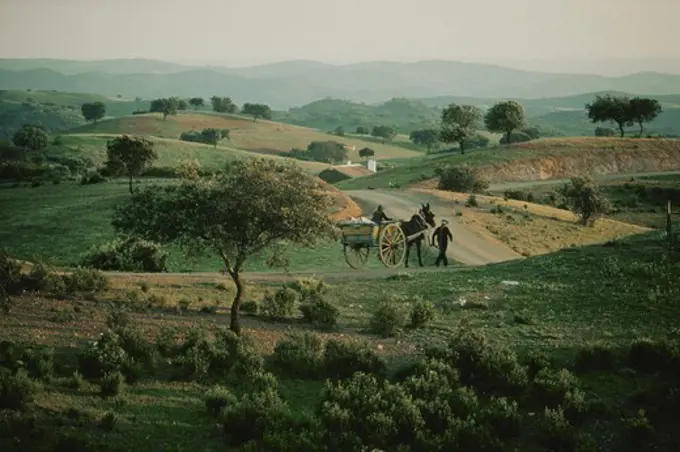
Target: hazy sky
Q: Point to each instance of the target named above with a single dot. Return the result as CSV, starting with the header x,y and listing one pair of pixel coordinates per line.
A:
x,y
255,31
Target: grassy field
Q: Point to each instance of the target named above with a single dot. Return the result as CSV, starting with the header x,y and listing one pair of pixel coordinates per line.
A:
x,y
555,304
536,160
256,136
171,152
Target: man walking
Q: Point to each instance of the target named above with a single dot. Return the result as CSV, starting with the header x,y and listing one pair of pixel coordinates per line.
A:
x,y
443,235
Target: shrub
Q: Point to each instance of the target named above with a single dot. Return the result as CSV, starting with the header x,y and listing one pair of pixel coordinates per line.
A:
x,y
652,356
460,179
91,178
536,361
318,311
556,433
595,357
105,356
281,304
130,254
218,397
422,313
586,200
489,369
250,307
515,137
300,356
638,431
76,381
472,201
38,361
343,359
10,275
112,384
117,317
86,280
502,417
518,195
16,390
251,416
550,386
388,319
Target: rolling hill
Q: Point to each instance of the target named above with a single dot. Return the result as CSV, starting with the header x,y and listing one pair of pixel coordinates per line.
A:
x,y
294,83
259,136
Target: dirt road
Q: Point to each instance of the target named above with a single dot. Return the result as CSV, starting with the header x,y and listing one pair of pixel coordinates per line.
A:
x,y
468,247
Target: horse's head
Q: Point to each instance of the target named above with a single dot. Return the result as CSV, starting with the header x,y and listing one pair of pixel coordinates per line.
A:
x,y
427,214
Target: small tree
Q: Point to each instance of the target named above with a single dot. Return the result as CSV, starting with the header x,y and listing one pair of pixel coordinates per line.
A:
x,y
225,134
31,136
505,117
459,124
182,105
384,132
339,131
196,102
165,106
129,156
366,152
586,200
461,179
425,137
643,110
249,209
257,111
211,136
223,105
93,111
611,108
361,130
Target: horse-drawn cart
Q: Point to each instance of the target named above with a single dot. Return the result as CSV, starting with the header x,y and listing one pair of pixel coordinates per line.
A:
x,y
359,235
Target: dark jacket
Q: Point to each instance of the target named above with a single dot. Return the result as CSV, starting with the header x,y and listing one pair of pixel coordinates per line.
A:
x,y
443,235
379,217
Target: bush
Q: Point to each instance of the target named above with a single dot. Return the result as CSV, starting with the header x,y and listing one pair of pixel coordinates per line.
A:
x,y
281,304
10,275
518,195
86,280
595,357
422,313
112,384
536,361
502,417
587,202
460,179
550,386
16,390
300,356
638,431
388,319
250,307
471,201
556,433
318,311
653,356
218,397
342,359
251,416
105,356
129,254
93,177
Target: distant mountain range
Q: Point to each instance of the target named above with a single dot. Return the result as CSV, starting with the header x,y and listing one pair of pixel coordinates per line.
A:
x,y
295,83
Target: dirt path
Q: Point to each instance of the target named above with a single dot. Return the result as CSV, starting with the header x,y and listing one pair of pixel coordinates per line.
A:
x,y
536,183
468,247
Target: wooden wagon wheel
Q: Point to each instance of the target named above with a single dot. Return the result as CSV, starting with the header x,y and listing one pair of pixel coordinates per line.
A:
x,y
356,254
392,245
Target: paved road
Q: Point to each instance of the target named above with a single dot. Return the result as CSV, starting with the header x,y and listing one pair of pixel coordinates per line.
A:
x,y
468,247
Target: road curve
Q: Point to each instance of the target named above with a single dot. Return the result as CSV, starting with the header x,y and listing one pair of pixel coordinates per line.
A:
x,y
468,247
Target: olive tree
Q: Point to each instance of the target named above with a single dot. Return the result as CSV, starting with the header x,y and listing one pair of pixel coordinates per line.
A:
x,y
129,156
585,199
253,207
505,117
459,124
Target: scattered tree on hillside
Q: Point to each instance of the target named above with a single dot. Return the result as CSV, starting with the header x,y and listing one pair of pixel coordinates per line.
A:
x,y
223,105
532,132
459,123
225,134
425,137
384,132
326,151
196,102
604,132
361,130
339,131
165,106
211,136
611,108
585,199
257,111
461,179
129,156
253,207
93,111
505,117
366,153
31,136
643,110
182,105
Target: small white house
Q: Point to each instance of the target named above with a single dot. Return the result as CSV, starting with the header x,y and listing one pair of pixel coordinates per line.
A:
x,y
371,165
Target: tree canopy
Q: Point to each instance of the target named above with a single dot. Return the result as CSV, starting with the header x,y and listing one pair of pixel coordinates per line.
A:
x,y
505,117
610,108
129,156
425,137
257,111
459,123
196,102
223,105
165,106
384,132
31,136
253,207
585,199
366,152
643,109
93,111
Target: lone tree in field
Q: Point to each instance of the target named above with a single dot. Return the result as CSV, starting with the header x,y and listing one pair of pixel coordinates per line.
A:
x,y
384,132
166,106
129,156
459,124
585,199
223,105
251,208
365,153
93,111
182,105
610,108
31,136
425,137
644,109
257,111
212,136
196,102
505,117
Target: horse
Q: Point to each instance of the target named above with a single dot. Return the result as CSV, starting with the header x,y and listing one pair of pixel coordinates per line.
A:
x,y
417,224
